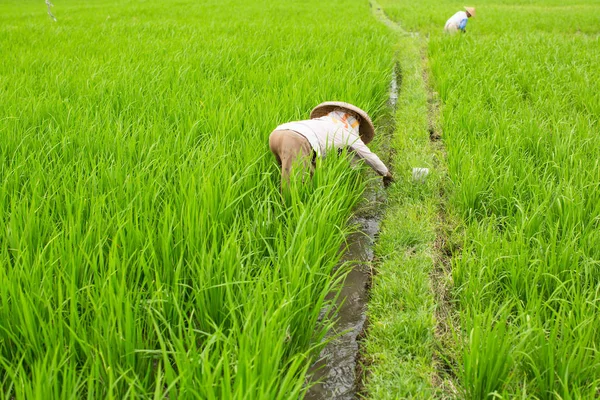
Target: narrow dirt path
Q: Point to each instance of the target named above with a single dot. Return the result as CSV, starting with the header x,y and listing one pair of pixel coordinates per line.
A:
x,y
431,246
380,15
441,274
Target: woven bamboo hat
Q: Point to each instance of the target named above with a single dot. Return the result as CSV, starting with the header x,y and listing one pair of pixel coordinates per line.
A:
x,y
470,10
365,129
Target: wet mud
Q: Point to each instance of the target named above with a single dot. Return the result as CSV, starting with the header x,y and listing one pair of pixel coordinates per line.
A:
x,y
335,371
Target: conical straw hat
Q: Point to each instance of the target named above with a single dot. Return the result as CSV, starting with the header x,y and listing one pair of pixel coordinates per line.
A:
x,y
470,10
365,129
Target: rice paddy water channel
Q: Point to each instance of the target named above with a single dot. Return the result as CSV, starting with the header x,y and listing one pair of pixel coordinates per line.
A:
x,y
336,369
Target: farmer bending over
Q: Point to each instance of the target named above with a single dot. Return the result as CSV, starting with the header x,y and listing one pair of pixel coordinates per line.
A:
x,y
459,20
333,125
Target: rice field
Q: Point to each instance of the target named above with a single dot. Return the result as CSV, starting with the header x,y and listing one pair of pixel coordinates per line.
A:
x,y
520,109
145,247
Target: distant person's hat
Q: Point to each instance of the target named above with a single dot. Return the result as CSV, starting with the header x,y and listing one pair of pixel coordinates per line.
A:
x,y
365,129
470,10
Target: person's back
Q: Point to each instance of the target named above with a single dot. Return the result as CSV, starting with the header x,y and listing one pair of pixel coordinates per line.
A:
x,y
328,133
458,22
333,125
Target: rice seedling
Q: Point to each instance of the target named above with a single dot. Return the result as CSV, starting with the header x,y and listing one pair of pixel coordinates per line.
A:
x,y
519,117
145,249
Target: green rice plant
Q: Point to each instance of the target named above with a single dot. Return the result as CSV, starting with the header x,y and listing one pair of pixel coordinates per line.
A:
x,y
398,349
145,249
487,356
519,117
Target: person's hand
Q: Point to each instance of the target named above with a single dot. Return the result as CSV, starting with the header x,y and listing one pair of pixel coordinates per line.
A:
x,y
387,180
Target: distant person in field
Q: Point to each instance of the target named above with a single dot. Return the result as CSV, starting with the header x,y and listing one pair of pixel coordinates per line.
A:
x,y
333,126
458,22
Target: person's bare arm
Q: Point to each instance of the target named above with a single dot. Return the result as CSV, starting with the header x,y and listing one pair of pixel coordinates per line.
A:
x,y
362,151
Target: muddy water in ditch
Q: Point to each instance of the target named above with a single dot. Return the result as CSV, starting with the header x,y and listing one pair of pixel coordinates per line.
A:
x,y
336,369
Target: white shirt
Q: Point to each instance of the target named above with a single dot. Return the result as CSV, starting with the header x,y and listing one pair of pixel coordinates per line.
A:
x,y
454,22
329,132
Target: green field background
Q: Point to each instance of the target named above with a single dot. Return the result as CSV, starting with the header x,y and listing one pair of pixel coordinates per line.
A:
x,y
520,112
145,249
